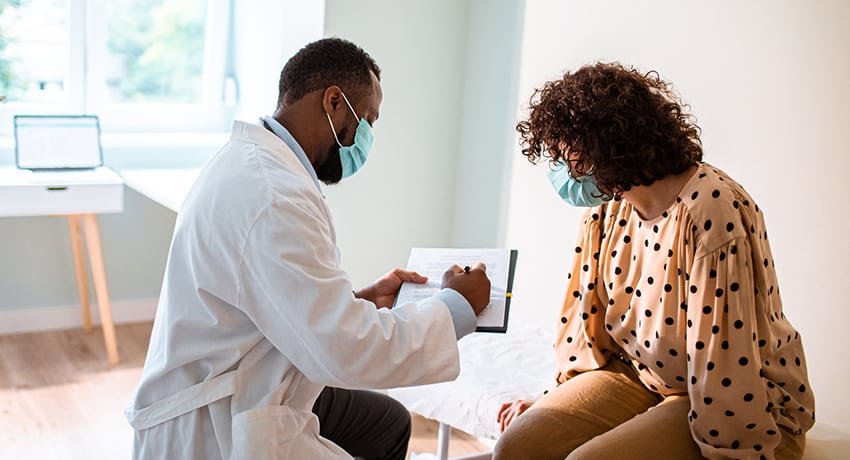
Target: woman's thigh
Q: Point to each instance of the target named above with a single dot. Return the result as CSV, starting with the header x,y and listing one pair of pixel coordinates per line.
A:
x,y
663,433
576,411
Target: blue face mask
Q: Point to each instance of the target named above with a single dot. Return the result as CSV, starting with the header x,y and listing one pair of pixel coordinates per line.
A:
x,y
581,192
354,156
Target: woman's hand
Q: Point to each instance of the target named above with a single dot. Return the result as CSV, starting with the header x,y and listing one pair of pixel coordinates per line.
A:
x,y
510,411
383,291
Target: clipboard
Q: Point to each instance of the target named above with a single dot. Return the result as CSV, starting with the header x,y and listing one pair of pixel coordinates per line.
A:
x,y
501,266
508,296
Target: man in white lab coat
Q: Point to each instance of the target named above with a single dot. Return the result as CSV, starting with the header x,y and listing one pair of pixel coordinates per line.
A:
x,y
256,318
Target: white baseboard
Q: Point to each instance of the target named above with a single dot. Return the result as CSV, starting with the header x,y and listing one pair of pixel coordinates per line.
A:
x,y
71,317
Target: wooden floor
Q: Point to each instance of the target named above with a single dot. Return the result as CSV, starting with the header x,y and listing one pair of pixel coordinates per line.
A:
x,y
59,398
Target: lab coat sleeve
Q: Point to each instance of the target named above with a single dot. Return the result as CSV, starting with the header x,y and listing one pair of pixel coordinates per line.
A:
x,y
292,288
463,317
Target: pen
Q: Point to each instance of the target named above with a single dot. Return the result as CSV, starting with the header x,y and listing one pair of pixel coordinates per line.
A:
x,y
466,269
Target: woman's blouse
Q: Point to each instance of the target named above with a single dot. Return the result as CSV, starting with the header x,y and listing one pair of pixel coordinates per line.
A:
x,y
691,299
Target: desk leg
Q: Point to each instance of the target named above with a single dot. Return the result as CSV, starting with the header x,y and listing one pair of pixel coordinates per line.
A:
x,y
80,269
92,233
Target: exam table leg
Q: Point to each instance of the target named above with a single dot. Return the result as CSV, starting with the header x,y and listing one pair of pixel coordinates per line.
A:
x,y
444,434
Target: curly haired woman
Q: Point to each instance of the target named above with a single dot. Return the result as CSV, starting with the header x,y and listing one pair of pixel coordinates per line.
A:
x,y
672,343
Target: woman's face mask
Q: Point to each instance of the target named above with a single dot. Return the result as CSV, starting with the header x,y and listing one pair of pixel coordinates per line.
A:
x,y
353,156
581,192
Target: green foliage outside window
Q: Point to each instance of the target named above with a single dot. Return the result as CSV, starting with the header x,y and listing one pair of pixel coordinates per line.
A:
x,y
161,50
155,50
11,84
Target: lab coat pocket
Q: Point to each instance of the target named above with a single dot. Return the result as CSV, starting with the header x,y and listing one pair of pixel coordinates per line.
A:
x,y
280,432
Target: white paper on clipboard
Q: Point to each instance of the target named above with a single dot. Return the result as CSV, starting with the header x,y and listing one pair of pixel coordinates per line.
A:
x,y
433,262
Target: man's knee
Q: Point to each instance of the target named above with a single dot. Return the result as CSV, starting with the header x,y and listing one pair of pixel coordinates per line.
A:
x,y
395,426
401,417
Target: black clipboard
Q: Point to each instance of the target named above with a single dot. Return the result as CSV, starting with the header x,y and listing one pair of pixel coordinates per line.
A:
x,y
508,296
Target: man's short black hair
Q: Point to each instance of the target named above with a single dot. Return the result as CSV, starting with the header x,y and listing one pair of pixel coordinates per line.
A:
x,y
324,63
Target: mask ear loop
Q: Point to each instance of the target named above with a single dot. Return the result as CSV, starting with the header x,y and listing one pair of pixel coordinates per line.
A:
x,y
349,106
333,129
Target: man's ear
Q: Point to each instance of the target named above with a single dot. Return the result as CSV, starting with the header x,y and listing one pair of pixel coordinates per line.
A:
x,y
331,99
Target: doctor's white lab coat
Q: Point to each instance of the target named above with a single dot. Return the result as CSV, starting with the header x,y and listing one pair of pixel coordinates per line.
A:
x,y
256,317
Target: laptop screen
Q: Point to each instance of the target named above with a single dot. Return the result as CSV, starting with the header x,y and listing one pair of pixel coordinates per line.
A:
x,y
57,142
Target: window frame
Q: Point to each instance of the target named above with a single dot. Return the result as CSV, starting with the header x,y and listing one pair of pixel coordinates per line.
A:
x,y
85,82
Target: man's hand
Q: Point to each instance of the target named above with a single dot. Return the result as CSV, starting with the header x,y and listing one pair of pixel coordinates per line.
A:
x,y
472,285
383,291
510,411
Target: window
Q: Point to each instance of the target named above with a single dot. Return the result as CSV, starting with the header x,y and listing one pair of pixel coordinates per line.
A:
x,y
33,51
141,65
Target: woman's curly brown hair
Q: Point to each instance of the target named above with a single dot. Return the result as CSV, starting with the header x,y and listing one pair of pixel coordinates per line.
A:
x,y
625,127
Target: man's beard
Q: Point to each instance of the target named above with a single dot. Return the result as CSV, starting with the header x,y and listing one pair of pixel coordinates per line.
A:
x,y
330,172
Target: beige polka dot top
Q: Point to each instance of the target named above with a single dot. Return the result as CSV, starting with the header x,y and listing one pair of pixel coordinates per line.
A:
x,y
691,299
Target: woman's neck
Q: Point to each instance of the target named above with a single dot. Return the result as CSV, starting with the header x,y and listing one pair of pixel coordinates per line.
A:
x,y
651,200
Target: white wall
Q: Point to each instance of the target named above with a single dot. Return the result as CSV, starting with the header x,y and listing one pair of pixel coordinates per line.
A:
x,y
491,76
267,33
403,195
768,82
442,114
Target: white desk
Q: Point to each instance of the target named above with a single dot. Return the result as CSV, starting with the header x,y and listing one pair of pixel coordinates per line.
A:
x,y
79,196
167,187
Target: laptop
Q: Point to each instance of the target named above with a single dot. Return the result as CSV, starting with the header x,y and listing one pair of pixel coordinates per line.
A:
x,y
57,142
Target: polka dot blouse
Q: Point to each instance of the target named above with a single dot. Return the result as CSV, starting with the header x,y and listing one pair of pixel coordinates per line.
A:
x,y
691,299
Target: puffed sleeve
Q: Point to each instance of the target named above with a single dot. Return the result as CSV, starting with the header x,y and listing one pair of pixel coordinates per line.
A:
x,y
729,415
581,341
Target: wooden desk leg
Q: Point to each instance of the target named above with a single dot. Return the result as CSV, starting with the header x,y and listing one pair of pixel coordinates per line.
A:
x,y
92,233
80,269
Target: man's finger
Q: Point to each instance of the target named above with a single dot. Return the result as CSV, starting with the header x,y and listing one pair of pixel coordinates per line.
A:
x,y
417,278
410,276
456,269
480,266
